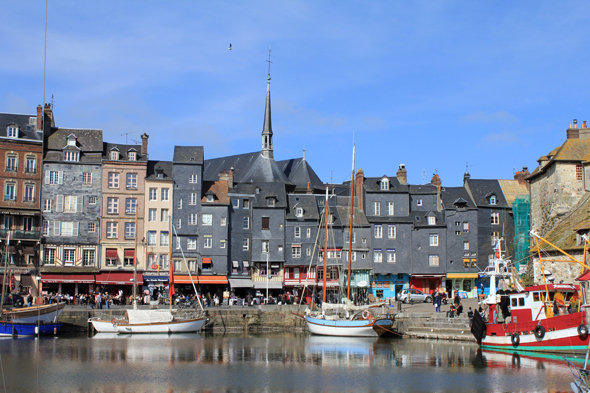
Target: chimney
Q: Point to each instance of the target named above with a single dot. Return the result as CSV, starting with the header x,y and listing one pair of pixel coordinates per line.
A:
x,y
584,124
360,180
435,181
144,144
521,175
230,180
402,174
309,191
39,118
575,123
573,132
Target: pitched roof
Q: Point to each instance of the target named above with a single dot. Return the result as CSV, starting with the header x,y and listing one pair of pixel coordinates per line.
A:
x,y
305,201
481,189
123,149
264,170
577,150
512,189
373,184
27,131
451,195
189,155
300,173
88,141
153,167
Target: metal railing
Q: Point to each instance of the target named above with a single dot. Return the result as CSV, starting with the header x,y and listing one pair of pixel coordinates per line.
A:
x,y
18,234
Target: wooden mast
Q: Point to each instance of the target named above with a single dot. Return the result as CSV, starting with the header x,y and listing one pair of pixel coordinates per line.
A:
x,y
5,257
352,186
325,243
171,279
135,265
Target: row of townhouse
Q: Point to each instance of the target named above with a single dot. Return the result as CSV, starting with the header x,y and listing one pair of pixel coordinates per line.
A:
x,y
106,216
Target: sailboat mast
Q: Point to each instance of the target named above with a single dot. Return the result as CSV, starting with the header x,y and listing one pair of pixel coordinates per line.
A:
x,y
350,223
325,243
135,265
5,257
171,279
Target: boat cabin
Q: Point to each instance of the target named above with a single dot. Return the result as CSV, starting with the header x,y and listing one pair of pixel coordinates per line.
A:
x,y
530,305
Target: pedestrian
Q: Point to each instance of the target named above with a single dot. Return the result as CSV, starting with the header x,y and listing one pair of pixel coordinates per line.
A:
x,y
457,299
437,301
99,301
29,300
107,300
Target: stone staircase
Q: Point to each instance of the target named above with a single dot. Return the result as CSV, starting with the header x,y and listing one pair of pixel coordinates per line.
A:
x,y
439,327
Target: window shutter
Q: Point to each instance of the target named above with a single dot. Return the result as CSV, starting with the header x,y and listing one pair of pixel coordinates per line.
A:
x,y
79,204
76,228
60,177
59,204
47,177
56,228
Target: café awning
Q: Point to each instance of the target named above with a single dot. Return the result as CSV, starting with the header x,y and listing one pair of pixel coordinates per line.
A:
x,y
200,279
67,278
462,275
240,283
206,261
271,284
117,278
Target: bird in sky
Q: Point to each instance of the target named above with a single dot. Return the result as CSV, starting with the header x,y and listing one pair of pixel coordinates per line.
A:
x,y
229,46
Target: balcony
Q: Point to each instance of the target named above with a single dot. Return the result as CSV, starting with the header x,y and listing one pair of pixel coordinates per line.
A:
x,y
32,235
11,168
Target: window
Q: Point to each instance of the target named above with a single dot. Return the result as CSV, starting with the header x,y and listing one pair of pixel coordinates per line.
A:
x,y
129,230
165,215
495,218
164,239
128,259
390,208
70,203
246,204
151,238
352,256
235,202
69,228
177,265
434,240
246,244
377,208
88,258
431,220
270,202
132,181
193,200
29,193
131,205
47,205
207,219
466,226
163,261
87,178
180,204
10,192
192,179
45,228
192,265
153,194
12,131
222,243
495,237
266,223
11,163
465,245
192,219
91,227
113,180
246,223
579,173
457,233
308,234
223,221
296,251
419,202
377,255
27,223
378,231
433,260
297,231
191,243
71,155
208,242
132,156
54,177
69,256
391,232
31,165
265,246
49,256
299,212
493,200
112,205
152,215
112,228
179,223
385,184
165,194
391,257
114,155
92,200
8,222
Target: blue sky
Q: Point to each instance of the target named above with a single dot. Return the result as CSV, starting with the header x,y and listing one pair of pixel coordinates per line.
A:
x,y
431,84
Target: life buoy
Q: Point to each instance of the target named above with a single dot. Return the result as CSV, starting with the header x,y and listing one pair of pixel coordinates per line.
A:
x,y
154,266
515,338
539,332
366,314
582,330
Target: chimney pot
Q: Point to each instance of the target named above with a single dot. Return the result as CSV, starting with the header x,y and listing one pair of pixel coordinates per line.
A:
x,y
144,144
584,124
575,123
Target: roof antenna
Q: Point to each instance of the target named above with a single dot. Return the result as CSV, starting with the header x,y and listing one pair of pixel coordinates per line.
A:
x,y
304,153
269,62
423,176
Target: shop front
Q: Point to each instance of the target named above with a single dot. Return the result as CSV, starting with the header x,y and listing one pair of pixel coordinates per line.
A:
x,y
155,285
67,281
386,286
464,283
205,285
240,287
426,283
113,281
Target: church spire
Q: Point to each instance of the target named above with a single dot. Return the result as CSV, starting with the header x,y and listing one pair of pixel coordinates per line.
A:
x,y
267,150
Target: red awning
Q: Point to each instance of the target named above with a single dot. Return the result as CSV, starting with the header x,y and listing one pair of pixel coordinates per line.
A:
x,y
129,253
206,261
119,278
584,277
112,253
68,278
200,279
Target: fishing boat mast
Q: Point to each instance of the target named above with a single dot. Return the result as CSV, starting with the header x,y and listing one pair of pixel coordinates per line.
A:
x,y
350,223
325,244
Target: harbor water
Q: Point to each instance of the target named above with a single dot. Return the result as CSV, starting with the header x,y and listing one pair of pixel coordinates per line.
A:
x,y
279,362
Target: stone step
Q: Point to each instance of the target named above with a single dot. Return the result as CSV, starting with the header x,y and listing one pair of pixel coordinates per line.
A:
x,y
442,330
452,336
437,325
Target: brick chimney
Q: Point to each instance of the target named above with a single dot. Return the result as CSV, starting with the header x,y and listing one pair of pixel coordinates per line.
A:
x,y
39,118
309,190
521,175
230,180
435,181
573,132
360,180
144,144
402,174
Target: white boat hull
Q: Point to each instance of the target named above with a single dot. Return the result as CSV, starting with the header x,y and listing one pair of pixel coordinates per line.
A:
x,y
103,326
182,326
46,314
342,328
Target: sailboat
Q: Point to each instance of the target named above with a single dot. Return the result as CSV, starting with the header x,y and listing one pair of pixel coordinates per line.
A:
x,y
362,322
28,321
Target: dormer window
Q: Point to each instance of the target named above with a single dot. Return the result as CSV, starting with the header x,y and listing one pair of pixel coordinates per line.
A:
x,y
431,220
210,198
70,155
299,212
493,200
419,202
159,173
12,131
270,202
132,156
385,184
114,155
72,140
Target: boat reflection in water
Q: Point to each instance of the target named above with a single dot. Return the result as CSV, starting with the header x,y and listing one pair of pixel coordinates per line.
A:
x,y
276,362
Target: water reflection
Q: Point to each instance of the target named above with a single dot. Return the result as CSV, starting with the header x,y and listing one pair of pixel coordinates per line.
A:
x,y
277,363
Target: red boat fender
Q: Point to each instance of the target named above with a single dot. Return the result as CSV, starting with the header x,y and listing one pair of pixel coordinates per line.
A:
x,y
515,338
582,330
539,332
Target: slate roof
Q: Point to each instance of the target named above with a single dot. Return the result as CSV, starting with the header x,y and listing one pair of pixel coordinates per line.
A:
x,y
305,201
88,141
240,162
358,217
424,189
423,221
26,130
264,170
190,155
481,189
153,166
373,184
300,173
123,149
450,195
268,190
